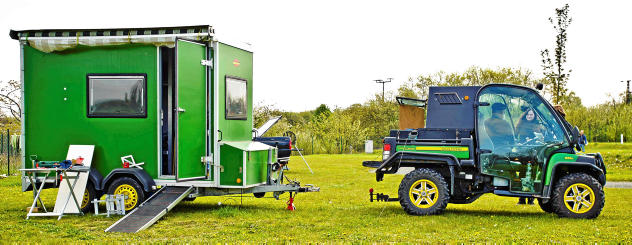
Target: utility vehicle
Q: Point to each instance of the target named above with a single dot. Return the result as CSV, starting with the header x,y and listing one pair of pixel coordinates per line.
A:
x,y
501,139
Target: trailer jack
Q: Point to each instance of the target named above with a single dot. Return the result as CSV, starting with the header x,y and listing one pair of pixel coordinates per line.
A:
x,y
380,197
290,203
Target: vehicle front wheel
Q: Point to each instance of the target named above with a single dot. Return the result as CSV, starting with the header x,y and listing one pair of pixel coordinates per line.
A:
x,y
423,192
131,189
578,195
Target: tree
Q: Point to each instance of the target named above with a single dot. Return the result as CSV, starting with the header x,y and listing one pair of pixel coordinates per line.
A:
x,y
553,69
10,98
473,76
322,111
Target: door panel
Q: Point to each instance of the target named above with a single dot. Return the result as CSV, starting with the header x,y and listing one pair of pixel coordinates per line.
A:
x,y
517,132
191,110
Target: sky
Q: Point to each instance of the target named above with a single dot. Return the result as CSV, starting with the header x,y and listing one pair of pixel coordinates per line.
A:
x,y
308,53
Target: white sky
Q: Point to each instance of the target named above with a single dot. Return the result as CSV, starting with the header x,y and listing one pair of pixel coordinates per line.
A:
x,y
308,53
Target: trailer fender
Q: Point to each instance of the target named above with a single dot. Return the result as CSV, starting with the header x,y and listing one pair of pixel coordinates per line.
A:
x,y
591,169
140,175
96,178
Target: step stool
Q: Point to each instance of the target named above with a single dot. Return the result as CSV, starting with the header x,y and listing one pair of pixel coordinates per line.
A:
x,y
114,204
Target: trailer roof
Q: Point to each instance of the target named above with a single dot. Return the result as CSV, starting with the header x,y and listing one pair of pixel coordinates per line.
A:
x,y
50,40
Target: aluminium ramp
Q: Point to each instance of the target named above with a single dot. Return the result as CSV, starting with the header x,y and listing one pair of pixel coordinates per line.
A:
x,y
151,210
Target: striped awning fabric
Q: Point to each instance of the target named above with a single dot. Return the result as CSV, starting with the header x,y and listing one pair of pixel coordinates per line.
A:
x,y
57,40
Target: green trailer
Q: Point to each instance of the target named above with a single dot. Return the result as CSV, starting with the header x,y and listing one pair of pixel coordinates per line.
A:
x,y
176,98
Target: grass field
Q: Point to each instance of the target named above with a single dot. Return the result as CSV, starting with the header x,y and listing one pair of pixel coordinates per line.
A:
x,y
339,213
618,158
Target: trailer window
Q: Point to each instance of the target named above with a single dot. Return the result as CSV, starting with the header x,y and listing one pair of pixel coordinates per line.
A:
x,y
117,95
236,98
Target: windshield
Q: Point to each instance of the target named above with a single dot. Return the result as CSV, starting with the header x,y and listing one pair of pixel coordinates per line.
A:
x,y
517,116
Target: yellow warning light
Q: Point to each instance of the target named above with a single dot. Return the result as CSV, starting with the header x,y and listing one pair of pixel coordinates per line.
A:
x,y
238,181
466,97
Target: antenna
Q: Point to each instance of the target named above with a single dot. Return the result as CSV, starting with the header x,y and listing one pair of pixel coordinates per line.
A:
x,y
388,80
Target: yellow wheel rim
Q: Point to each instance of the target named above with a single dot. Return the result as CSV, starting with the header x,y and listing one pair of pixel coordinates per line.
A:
x,y
579,198
86,199
423,193
130,193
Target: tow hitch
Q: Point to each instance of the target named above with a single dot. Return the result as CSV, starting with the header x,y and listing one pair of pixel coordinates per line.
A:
x,y
380,197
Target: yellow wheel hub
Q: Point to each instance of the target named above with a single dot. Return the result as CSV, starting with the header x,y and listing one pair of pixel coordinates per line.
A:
x,y
130,193
423,193
86,199
579,198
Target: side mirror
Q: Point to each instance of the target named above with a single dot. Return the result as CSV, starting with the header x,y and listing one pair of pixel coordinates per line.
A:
x,y
575,136
539,86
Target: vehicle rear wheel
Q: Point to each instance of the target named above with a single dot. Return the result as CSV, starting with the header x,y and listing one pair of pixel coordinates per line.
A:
x,y
578,195
131,189
423,192
89,195
546,207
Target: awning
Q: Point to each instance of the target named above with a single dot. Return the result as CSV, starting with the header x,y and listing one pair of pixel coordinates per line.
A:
x,y
61,39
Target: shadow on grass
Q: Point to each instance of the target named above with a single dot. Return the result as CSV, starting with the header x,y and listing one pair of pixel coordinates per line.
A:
x,y
193,207
397,210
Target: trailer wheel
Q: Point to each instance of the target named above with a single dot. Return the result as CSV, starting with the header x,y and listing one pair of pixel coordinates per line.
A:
x,y
131,189
546,207
423,192
578,195
189,199
259,194
89,195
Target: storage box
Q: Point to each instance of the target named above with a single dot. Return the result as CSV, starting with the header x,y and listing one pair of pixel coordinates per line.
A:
x,y
245,163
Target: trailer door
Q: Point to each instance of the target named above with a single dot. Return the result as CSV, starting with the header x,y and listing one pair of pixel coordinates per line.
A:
x,y
190,100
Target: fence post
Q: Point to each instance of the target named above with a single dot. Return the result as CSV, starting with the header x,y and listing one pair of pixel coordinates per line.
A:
x,y
8,154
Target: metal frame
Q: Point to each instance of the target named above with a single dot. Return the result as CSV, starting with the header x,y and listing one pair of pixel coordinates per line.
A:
x,y
121,76
216,144
22,125
71,187
245,117
159,112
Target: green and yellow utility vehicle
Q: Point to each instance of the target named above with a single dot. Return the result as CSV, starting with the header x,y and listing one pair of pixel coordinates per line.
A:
x,y
501,139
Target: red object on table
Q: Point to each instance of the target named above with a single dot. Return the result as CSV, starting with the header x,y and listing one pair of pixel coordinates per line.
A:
x,y
125,164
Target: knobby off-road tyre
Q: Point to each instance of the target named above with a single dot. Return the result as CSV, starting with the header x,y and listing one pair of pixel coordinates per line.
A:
x,y
546,207
423,192
131,189
86,200
578,195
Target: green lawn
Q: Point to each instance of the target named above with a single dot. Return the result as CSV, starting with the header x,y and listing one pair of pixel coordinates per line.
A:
x,y
618,158
340,213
